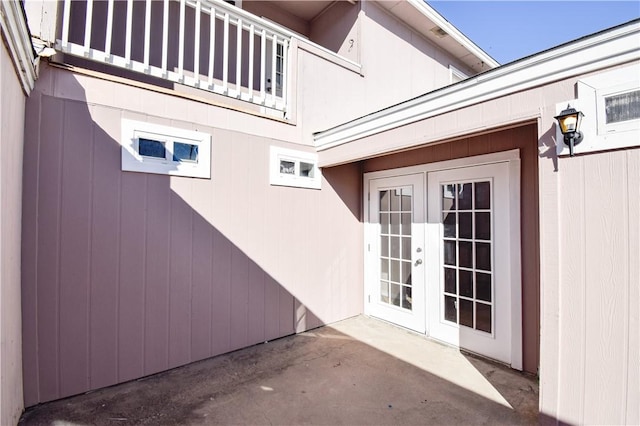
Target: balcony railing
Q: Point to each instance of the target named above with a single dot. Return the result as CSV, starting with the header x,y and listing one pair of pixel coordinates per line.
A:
x,y
206,44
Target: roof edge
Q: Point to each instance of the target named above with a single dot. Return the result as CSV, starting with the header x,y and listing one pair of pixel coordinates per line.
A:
x,y
423,7
13,25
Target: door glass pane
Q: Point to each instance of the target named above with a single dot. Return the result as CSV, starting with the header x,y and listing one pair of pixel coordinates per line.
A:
x,y
483,256
483,195
395,200
395,223
384,201
483,317
395,270
450,280
384,246
384,223
450,253
395,294
406,224
449,224
465,225
406,199
483,226
448,197
384,269
406,248
466,283
466,254
406,273
406,297
450,311
395,247
483,286
466,312
384,291
464,196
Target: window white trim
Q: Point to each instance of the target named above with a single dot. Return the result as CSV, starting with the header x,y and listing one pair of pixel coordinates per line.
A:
x,y
133,161
289,167
592,91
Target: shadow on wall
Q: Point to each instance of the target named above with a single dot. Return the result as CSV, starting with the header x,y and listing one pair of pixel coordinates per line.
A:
x,y
121,277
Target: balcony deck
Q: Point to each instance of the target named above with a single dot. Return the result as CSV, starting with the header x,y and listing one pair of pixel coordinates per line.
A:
x,y
206,44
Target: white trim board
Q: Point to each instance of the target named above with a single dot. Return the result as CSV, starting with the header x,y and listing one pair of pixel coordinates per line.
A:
x,y
18,41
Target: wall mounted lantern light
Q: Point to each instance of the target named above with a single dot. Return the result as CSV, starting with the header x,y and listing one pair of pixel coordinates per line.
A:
x,y
569,121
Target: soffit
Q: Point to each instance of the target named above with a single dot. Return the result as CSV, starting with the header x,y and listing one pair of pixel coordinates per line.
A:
x,y
424,20
303,9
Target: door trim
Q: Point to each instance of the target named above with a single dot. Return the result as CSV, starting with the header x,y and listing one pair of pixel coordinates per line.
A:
x,y
510,156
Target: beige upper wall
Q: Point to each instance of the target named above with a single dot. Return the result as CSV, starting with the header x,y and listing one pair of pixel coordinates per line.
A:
x,y
11,142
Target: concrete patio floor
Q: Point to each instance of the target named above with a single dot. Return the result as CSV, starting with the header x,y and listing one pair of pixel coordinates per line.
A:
x,y
357,371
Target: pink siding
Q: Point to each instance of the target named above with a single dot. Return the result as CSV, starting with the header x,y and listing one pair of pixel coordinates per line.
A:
x,y
137,273
11,154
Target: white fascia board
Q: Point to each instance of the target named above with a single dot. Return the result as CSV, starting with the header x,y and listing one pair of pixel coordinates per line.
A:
x,y
15,32
440,21
614,47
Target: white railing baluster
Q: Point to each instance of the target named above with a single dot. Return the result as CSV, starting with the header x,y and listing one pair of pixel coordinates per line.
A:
x,y
263,72
109,32
238,57
212,45
225,55
88,20
65,23
127,46
147,32
274,60
251,49
285,74
181,42
165,35
196,44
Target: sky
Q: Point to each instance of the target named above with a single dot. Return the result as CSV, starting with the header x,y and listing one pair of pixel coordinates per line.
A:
x,y
510,30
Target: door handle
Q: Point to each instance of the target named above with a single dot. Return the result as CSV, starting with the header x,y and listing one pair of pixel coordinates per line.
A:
x,y
418,262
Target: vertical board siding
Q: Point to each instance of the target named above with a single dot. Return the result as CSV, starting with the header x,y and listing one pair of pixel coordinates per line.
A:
x,y
137,273
523,138
598,329
48,248
607,287
104,260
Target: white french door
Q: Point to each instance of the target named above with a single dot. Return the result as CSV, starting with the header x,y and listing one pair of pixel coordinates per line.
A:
x,y
443,255
396,254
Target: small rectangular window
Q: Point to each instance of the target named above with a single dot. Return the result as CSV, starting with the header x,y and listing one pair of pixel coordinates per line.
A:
x,y
294,168
622,107
151,148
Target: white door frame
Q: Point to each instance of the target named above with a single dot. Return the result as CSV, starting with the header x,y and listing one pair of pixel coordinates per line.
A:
x,y
512,157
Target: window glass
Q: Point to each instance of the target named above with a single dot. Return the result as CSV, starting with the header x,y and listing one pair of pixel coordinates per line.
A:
x,y
306,169
185,152
622,107
287,167
151,148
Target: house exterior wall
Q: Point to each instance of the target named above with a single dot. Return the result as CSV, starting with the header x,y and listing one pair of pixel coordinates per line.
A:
x,y
11,142
524,139
129,274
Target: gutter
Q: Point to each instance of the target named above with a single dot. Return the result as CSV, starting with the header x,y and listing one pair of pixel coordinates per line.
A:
x,y
13,26
605,49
